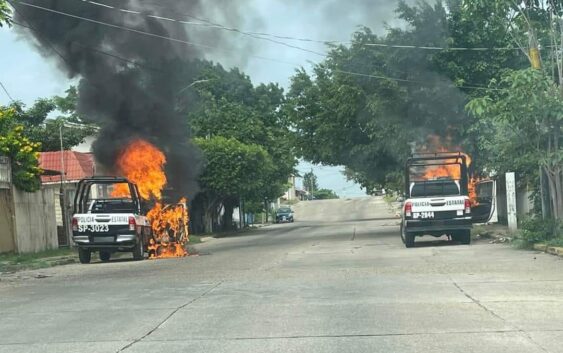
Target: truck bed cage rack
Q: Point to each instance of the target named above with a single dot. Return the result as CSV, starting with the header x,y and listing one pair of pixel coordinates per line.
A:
x,y
438,154
434,164
438,159
105,178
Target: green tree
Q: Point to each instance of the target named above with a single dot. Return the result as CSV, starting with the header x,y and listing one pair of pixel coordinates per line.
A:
x,y
325,194
39,127
527,114
228,105
5,13
310,182
22,152
233,170
367,106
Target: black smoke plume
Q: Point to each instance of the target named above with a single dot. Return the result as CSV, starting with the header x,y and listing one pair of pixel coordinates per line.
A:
x,y
128,81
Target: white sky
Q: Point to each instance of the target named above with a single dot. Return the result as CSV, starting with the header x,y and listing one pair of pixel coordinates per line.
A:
x,y
29,76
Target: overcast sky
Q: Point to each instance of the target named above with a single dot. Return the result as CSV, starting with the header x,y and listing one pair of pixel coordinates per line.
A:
x,y
28,76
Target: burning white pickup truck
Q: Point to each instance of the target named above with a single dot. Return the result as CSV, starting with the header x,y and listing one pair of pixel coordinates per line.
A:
x,y
110,216
106,222
438,202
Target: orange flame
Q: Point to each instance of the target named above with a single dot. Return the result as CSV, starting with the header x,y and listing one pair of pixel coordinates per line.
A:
x,y
142,163
434,144
170,230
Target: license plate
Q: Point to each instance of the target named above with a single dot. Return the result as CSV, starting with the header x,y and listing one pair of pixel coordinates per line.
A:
x,y
423,215
94,228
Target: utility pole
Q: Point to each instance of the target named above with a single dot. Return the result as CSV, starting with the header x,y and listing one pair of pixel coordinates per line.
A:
x,y
312,182
535,61
62,195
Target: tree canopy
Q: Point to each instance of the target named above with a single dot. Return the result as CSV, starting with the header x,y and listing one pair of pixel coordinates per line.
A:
x,y
22,151
38,126
231,112
5,14
373,102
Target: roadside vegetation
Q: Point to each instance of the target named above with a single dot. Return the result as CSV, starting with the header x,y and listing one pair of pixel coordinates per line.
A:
x,y
536,230
367,104
478,75
10,262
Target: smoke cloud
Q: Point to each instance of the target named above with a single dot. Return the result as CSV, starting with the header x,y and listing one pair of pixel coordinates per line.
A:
x,y
136,97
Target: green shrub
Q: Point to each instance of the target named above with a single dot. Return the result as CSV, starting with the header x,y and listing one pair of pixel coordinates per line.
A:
x,y
538,230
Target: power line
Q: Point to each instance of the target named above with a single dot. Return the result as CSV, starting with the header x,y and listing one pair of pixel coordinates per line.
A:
x,y
154,35
209,24
210,47
415,81
263,36
6,91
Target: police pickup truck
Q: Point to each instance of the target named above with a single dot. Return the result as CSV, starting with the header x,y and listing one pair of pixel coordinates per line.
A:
x,y
441,205
107,221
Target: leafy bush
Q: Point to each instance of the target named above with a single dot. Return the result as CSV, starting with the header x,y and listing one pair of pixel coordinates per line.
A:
x,y
538,230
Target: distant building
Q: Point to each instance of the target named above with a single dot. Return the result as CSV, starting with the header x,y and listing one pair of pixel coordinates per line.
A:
x,y
77,166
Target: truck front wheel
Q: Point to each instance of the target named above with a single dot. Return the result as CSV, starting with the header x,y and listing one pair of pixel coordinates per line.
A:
x,y
84,255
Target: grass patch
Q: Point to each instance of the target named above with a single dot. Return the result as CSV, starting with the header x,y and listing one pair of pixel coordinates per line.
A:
x,y
558,242
522,244
389,198
194,239
14,262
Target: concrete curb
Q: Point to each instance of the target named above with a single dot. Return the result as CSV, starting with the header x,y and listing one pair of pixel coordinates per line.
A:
x,y
553,250
540,247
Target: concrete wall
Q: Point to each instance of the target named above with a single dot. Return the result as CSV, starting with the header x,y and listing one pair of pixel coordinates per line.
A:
x,y
7,243
35,221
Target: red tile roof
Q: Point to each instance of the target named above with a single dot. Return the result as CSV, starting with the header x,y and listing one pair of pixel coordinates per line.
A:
x,y
77,165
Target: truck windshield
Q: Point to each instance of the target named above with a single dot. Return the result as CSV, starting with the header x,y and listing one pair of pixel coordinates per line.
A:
x,y
434,188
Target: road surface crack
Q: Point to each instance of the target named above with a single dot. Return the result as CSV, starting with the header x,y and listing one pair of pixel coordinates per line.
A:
x,y
482,306
168,317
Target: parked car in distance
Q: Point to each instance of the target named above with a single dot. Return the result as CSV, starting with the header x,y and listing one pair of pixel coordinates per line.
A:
x,y
284,214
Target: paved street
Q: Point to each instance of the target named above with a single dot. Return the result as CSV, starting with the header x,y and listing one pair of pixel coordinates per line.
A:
x,y
337,280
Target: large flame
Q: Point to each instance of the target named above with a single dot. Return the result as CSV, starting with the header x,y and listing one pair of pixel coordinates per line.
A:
x,y
170,228
143,164
453,171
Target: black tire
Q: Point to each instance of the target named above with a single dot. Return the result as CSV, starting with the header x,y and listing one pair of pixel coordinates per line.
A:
x,y
84,255
139,250
105,256
407,238
464,237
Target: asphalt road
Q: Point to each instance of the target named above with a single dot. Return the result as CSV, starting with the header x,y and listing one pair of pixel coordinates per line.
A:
x,y
337,280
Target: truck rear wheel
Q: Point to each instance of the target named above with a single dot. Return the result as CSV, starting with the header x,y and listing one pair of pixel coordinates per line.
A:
x,y
139,251
84,255
464,237
407,238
